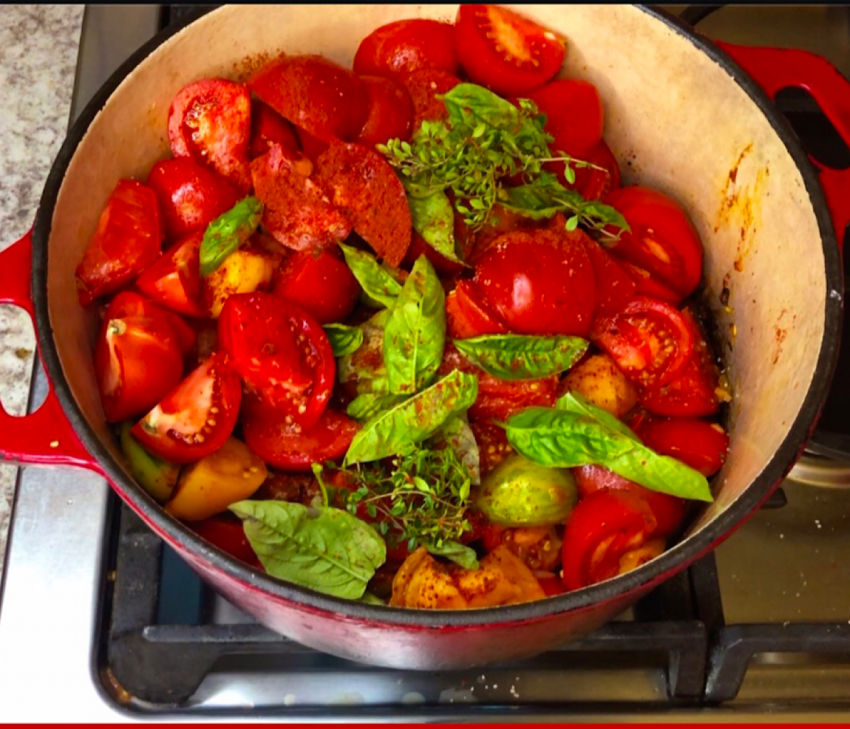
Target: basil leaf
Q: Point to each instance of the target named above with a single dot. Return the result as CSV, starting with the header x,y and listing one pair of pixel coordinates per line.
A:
x,y
434,219
377,282
326,549
344,339
400,429
521,357
228,231
458,553
574,402
468,103
457,435
560,439
369,404
415,333
364,368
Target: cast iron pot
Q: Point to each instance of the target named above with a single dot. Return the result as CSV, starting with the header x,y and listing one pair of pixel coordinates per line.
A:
x,y
681,115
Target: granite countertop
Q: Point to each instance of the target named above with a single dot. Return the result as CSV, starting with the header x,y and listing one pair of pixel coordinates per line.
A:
x,y
38,57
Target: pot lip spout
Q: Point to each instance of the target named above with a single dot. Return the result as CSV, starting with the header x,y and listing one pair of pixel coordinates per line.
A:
x,y
675,559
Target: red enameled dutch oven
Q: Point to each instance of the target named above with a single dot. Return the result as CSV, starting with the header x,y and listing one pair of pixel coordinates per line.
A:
x,y
691,117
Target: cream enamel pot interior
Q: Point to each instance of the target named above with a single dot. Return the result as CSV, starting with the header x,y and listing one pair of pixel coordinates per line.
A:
x,y
680,116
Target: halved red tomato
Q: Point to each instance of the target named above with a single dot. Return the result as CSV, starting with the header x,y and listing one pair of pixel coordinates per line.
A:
x,y
269,435
269,128
663,240
210,121
190,196
505,51
407,45
424,86
697,443
129,303
319,283
137,361
593,184
282,353
467,316
174,280
614,287
195,418
574,115
390,112
127,238
649,340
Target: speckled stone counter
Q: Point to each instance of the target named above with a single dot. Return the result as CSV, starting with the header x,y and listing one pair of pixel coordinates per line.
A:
x,y
38,56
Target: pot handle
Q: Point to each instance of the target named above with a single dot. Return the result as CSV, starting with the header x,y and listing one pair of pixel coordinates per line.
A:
x,y
778,68
45,436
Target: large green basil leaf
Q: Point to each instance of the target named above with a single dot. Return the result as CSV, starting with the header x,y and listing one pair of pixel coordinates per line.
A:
x,y
458,553
378,282
344,339
522,357
561,439
457,435
415,333
397,431
364,368
469,103
227,232
433,218
326,549
369,404
574,402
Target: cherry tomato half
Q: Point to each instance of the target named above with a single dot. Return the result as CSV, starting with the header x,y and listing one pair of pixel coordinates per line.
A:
x,y
174,280
282,353
195,418
663,240
699,444
574,114
319,283
649,340
137,361
407,45
129,303
505,51
127,238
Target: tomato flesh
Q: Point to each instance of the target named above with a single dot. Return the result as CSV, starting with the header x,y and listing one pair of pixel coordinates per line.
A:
x,y
269,128
129,303
467,316
126,240
505,51
195,418
174,280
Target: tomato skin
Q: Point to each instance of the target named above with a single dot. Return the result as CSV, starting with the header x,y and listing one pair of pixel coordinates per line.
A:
x,y
269,435
174,280
601,529
196,417
538,283
423,86
210,121
699,444
311,146
574,115
318,95
467,316
649,340
648,286
127,238
594,184
282,353
614,286
407,45
505,51
190,196
136,362
129,303
390,112
269,128
320,284
669,511
228,535
662,241
492,442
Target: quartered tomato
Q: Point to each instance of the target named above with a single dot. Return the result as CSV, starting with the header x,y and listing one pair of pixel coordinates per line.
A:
x,y
174,280
699,444
663,240
196,417
594,184
574,114
649,340
269,128
407,45
190,196
269,435
137,361
210,121
505,51
129,303
127,238
390,112
602,529
319,283
282,353
467,316
538,282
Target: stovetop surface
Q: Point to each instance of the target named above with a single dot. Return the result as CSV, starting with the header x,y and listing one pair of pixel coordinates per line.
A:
x,y
106,623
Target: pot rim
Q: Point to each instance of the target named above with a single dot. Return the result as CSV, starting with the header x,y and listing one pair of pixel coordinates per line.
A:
x,y
673,560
